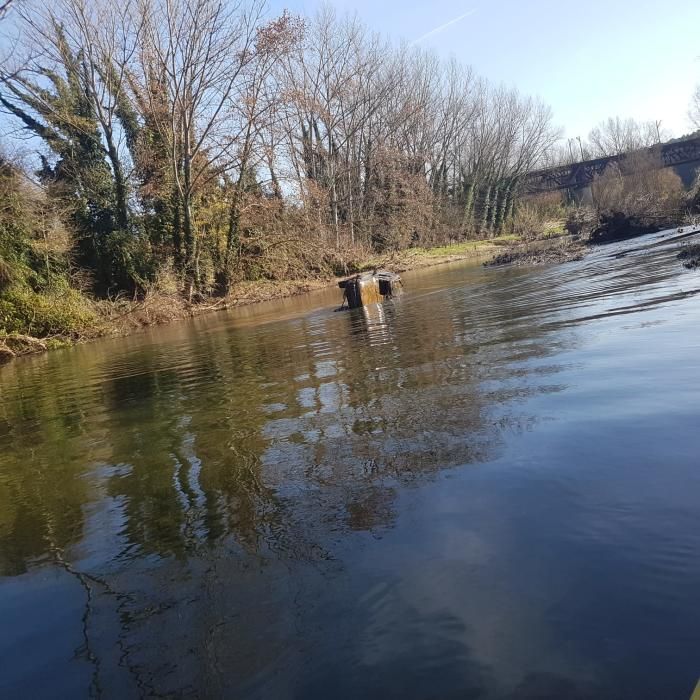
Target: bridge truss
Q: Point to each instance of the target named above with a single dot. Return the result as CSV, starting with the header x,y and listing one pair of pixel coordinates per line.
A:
x,y
579,175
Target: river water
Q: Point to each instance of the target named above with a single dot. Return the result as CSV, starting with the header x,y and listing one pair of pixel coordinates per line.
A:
x,y
487,488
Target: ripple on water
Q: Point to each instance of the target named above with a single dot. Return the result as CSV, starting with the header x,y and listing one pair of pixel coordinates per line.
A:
x,y
484,488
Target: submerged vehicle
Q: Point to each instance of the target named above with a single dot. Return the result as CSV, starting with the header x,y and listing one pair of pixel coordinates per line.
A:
x,y
369,288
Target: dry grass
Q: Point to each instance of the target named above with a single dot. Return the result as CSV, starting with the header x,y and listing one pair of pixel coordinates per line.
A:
x,y
417,258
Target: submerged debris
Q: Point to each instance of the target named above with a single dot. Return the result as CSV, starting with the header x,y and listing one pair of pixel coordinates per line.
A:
x,y
690,255
369,288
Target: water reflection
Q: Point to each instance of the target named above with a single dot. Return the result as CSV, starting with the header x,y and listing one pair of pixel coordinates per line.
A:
x,y
211,483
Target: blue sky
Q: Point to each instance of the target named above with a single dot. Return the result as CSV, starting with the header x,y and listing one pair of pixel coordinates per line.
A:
x,y
588,60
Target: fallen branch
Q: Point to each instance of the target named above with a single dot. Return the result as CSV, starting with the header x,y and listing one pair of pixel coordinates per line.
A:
x,y
22,344
5,353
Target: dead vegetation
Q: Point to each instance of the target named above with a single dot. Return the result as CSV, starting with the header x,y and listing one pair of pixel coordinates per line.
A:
x,y
690,256
636,196
16,344
544,252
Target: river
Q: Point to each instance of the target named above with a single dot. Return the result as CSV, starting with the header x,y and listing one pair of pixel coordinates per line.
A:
x,y
486,488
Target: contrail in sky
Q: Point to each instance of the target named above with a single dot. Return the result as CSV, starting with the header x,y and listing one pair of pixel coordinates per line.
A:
x,y
442,27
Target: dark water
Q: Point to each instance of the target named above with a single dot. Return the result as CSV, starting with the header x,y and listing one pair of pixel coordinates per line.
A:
x,y
489,488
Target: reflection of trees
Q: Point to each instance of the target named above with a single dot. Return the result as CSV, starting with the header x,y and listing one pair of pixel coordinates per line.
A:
x,y
42,485
371,508
259,436
192,458
244,449
36,516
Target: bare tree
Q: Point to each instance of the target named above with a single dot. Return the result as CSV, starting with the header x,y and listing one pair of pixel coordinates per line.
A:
x,y
254,112
206,118
616,136
5,6
105,36
200,51
694,112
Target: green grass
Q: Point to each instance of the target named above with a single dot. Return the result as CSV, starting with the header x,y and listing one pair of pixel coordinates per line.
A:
x,y
412,254
465,247
551,229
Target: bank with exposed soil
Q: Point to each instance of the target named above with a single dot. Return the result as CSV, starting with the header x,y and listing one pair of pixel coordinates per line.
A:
x,y
547,252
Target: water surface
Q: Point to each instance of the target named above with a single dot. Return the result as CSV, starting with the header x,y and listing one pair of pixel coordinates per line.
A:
x,y
487,488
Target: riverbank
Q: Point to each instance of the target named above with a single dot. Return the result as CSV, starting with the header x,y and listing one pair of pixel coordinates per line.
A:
x,y
540,252
122,316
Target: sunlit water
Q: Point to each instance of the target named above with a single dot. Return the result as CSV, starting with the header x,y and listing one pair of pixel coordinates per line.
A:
x,y
487,488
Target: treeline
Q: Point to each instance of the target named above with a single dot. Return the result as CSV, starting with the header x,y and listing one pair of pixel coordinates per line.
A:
x,y
196,141
612,137
617,137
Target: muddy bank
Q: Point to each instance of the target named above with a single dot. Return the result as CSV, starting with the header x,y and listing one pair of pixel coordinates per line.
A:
x,y
419,258
539,253
571,248
619,227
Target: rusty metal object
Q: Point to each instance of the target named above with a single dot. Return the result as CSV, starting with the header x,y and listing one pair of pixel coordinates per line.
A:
x,y
369,288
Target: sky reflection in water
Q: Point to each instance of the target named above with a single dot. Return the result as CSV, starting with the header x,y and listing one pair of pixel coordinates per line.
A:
x,y
485,489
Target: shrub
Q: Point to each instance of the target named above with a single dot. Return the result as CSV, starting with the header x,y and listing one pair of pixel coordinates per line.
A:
x,y
57,311
548,206
6,275
581,221
640,190
528,223
694,195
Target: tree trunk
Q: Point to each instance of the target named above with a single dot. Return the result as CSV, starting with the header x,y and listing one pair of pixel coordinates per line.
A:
x,y
502,206
468,206
485,206
188,223
188,230
120,189
232,243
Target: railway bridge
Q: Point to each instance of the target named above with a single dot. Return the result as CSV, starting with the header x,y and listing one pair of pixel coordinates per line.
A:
x,y
682,155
